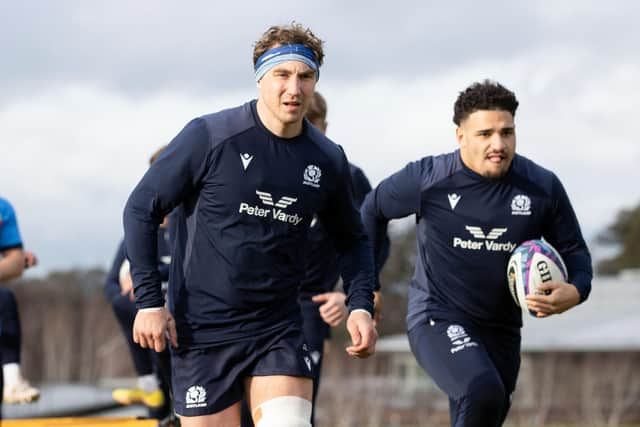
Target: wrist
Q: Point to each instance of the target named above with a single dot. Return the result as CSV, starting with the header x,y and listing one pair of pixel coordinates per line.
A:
x,y
150,309
361,310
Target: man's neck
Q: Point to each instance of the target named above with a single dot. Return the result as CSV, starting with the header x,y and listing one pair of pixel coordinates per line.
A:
x,y
275,126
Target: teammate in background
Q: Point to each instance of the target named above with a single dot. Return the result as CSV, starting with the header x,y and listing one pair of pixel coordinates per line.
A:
x,y
464,328
16,388
13,261
322,305
152,383
245,184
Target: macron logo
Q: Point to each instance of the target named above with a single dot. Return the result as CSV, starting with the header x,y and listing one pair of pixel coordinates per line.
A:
x,y
246,159
454,199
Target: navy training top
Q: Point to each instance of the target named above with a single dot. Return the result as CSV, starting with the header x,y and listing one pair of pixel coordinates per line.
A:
x,y
467,227
243,199
321,268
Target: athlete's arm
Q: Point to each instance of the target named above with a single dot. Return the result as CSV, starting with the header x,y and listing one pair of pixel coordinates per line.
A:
x,y
395,197
562,230
342,221
172,178
11,264
343,224
12,255
566,236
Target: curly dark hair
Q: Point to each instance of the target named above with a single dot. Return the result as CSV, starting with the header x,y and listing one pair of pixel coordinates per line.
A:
x,y
288,34
485,95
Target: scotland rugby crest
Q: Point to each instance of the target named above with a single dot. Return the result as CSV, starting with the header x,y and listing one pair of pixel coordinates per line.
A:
x,y
312,176
521,205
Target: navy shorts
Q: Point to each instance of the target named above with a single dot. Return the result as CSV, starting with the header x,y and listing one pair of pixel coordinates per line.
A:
x,y
466,360
208,380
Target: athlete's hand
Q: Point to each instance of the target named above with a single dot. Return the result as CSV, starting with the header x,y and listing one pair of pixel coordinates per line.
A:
x,y
377,308
150,329
559,298
363,335
30,259
333,310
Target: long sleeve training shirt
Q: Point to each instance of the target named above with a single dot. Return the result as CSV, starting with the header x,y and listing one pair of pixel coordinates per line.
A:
x,y
467,227
244,199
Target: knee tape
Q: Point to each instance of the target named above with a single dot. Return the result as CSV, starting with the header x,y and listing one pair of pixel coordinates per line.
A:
x,y
284,411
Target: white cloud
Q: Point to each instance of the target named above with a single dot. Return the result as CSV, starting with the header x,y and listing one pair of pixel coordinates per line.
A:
x,y
76,153
89,93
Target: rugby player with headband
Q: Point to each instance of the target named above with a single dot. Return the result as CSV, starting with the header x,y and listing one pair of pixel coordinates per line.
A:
x,y
244,185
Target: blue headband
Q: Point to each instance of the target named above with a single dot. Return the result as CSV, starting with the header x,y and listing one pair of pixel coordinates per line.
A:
x,y
280,54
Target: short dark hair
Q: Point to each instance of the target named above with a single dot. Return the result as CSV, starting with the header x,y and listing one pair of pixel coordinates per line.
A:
x,y
317,108
288,34
485,95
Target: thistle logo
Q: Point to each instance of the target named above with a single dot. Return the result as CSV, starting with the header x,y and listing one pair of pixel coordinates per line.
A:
x,y
278,212
486,242
521,205
312,176
196,397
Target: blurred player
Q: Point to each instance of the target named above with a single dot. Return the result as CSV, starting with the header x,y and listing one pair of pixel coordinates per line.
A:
x,y
16,388
13,261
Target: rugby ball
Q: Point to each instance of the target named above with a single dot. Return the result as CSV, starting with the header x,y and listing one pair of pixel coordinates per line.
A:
x,y
532,263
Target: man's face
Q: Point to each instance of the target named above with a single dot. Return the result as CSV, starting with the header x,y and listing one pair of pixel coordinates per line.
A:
x,y
285,93
487,141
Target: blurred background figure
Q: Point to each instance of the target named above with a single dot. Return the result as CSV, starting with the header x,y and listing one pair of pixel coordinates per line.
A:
x,y
13,261
16,388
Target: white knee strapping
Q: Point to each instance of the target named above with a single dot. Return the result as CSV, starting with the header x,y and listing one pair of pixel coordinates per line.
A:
x,y
284,411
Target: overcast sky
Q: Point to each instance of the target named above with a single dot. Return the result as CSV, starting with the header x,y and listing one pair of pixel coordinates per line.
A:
x,y
88,90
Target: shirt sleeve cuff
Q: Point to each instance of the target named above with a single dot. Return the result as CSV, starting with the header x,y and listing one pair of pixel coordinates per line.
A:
x,y
363,310
144,310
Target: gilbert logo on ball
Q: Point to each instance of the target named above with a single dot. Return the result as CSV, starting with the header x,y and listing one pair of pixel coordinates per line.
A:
x,y
532,263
